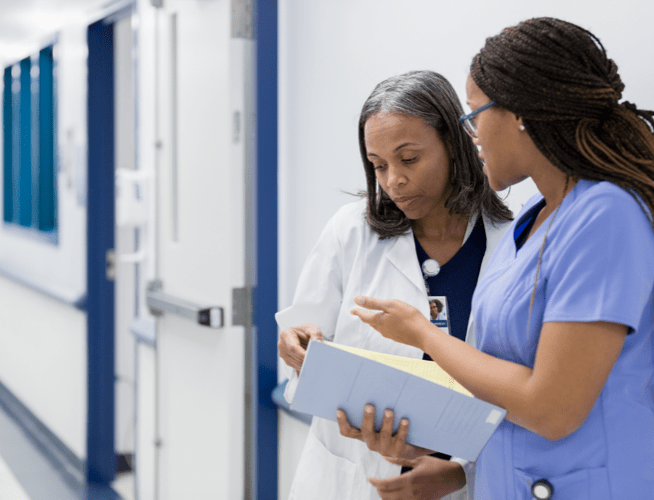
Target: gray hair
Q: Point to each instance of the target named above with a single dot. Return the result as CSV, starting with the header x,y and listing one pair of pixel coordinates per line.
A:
x,y
429,96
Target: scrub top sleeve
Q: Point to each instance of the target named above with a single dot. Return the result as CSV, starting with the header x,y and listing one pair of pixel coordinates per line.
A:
x,y
601,264
319,291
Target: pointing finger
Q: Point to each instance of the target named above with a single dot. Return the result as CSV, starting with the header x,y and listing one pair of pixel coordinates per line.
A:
x,y
369,317
370,303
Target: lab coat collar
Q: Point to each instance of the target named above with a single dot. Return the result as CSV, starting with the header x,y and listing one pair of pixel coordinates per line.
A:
x,y
402,255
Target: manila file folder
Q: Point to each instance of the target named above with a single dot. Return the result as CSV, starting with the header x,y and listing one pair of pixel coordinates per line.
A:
x,y
443,415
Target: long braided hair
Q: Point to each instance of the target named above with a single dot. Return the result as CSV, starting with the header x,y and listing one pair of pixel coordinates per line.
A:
x,y
557,77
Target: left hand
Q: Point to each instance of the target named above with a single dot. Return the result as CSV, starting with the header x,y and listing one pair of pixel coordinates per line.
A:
x,y
384,442
430,479
395,320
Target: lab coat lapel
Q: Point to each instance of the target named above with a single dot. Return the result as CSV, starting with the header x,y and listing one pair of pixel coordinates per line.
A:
x,y
402,255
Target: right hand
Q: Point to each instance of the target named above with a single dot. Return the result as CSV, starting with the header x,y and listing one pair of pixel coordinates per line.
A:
x,y
293,343
429,479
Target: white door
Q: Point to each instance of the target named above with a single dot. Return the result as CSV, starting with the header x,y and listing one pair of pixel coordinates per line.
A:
x,y
201,108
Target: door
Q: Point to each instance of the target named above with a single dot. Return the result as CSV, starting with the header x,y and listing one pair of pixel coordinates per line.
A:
x,y
201,118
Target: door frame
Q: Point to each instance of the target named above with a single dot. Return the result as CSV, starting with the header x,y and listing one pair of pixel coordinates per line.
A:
x,y
265,297
100,454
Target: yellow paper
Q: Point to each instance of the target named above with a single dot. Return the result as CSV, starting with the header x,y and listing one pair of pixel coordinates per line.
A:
x,y
429,370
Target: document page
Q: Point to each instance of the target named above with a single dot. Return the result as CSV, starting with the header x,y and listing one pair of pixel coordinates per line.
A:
x,y
429,370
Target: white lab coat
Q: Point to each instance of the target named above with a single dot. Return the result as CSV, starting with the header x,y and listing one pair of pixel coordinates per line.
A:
x,y
350,260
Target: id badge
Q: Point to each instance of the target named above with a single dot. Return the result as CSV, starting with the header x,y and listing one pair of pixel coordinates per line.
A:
x,y
439,313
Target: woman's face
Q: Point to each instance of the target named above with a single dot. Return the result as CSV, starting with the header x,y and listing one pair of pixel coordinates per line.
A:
x,y
411,163
499,136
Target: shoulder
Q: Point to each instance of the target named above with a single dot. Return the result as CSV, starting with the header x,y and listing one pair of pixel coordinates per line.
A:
x,y
351,220
592,191
607,204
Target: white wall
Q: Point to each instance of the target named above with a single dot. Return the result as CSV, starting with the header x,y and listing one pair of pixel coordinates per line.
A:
x,y
43,359
332,54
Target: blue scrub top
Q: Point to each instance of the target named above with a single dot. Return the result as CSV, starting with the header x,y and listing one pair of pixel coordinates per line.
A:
x,y
598,265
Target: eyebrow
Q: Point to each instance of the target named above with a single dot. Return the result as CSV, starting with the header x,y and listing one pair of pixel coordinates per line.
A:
x,y
398,148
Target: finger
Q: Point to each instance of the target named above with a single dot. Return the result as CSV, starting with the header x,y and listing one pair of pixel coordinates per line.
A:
x,y
402,462
312,331
290,349
301,336
372,303
368,427
400,435
369,317
386,432
390,485
344,426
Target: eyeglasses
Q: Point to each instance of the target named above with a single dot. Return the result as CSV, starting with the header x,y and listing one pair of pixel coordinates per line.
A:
x,y
468,122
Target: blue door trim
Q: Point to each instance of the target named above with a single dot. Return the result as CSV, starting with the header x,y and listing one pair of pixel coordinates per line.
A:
x,y
100,457
265,301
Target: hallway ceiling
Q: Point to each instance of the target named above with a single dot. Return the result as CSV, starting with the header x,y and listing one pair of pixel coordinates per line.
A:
x,y
27,22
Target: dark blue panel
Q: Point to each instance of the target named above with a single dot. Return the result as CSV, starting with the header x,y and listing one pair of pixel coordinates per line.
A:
x,y
7,154
266,291
46,198
25,161
101,461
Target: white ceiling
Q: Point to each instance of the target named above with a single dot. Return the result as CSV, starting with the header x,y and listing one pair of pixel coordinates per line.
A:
x,y
24,23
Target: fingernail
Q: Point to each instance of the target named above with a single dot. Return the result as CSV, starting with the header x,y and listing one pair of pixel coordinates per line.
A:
x,y
388,414
360,300
369,409
404,421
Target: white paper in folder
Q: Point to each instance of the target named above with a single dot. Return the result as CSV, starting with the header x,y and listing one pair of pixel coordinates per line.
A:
x,y
443,416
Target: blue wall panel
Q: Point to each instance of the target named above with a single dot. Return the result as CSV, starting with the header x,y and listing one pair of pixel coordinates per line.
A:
x,y
7,142
46,193
25,154
101,460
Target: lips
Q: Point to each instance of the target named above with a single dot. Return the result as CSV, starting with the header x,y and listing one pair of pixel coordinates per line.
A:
x,y
404,199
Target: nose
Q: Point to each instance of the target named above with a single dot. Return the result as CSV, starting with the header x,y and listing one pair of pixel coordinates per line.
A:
x,y
396,177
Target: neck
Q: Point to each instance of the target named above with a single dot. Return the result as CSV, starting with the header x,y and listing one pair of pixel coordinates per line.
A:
x,y
440,224
553,184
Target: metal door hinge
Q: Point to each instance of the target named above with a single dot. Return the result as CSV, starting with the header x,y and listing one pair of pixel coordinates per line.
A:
x,y
242,306
110,269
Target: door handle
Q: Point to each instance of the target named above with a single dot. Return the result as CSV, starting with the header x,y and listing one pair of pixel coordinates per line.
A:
x,y
160,302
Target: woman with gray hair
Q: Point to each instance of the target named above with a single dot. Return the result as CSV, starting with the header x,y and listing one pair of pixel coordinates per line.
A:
x,y
426,228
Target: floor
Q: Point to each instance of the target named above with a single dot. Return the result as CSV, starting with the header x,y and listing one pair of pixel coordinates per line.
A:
x,y
26,473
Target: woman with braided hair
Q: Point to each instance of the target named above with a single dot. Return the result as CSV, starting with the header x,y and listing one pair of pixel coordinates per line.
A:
x,y
564,315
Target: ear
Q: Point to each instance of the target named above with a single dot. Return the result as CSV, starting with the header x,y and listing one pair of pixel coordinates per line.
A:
x,y
521,126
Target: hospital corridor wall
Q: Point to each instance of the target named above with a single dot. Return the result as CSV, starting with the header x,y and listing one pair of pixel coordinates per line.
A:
x,y
228,159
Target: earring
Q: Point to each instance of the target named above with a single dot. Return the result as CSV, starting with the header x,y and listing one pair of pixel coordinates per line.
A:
x,y
522,128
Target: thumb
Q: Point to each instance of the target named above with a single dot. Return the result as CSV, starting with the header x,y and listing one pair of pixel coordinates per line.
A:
x,y
315,333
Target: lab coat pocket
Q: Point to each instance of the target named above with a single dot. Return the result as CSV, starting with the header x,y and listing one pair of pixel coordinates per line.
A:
x,y
583,484
322,475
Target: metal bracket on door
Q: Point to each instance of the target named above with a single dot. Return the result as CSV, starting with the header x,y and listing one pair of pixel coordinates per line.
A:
x,y
160,302
242,306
